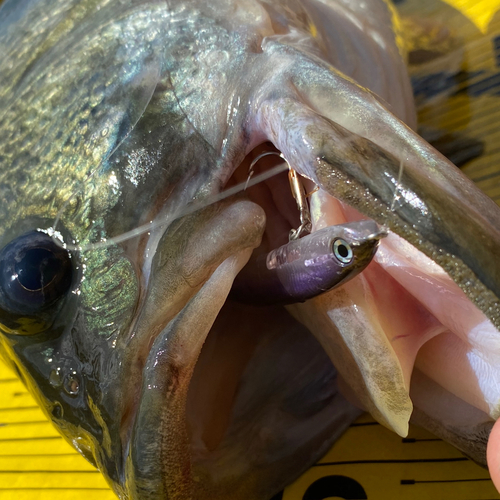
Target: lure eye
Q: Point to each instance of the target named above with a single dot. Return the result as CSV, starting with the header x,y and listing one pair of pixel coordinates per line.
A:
x,y
34,273
342,251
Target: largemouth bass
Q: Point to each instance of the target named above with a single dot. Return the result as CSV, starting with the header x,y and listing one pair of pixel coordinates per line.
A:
x,y
117,115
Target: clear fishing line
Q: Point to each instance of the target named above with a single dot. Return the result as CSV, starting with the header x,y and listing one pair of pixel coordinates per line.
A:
x,y
187,210
397,188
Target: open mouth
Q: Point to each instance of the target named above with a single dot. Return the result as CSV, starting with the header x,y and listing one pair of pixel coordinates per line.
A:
x,y
403,301
230,389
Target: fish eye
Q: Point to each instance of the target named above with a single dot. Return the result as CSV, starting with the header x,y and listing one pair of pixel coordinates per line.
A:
x,y
34,273
342,251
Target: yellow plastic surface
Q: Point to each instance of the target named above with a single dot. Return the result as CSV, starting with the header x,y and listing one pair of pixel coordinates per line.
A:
x,y
36,463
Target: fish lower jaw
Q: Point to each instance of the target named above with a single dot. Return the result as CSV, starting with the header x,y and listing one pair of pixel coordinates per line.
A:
x,y
403,312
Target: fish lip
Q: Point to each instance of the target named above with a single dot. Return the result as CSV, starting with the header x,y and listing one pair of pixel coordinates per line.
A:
x,y
165,380
182,250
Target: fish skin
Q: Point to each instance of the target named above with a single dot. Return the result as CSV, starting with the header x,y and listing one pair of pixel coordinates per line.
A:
x,y
163,118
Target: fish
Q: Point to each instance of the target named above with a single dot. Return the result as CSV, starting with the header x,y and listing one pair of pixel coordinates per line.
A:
x,y
127,128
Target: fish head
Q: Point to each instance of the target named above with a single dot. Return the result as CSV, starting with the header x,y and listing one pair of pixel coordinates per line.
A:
x,y
107,331
118,252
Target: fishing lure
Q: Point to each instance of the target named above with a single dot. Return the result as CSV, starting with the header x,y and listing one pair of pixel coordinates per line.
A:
x,y
308,266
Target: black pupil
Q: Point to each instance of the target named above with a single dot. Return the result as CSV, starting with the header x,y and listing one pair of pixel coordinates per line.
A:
x,y
37,268
343,251
35,273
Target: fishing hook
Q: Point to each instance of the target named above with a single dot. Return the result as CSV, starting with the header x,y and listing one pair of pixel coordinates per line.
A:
x,y
298,192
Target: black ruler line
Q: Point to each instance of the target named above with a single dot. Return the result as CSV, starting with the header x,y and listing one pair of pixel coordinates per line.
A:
x,y
46,488
37,438
47,455
3,424
18,408
459,118
485,177
395,461
415,481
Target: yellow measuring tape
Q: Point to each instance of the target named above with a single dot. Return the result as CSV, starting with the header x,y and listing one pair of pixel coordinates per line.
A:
x,y
480,12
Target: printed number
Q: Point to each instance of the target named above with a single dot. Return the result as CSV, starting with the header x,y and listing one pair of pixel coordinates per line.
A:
x,y
335,486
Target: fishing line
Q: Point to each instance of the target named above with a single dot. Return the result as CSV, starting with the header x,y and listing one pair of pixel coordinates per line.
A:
x,y
398,184
187,210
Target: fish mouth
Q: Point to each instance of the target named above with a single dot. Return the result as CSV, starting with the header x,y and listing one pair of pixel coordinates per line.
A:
x,y
401,324
205,379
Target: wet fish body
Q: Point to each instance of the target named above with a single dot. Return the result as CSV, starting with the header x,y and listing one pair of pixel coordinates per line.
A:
x,y
132,346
